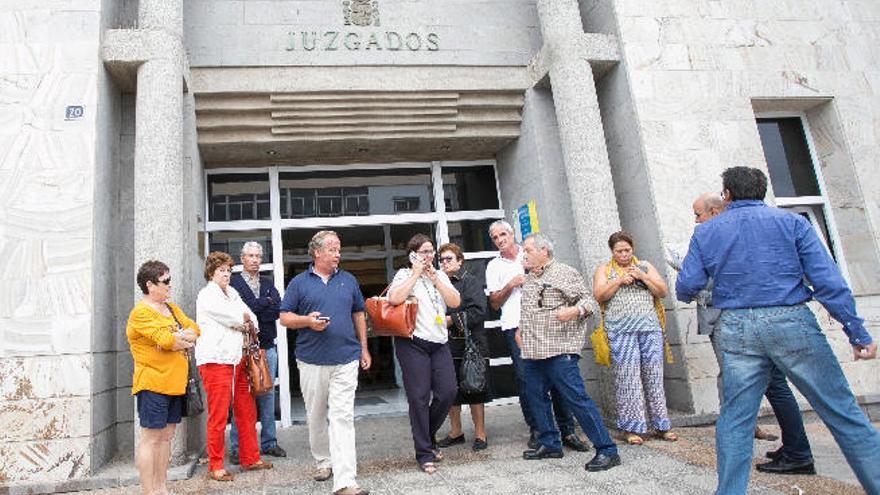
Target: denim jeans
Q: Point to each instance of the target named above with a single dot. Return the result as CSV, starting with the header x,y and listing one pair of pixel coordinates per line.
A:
x,y
752,342
265,410
562,372
563,415
795,445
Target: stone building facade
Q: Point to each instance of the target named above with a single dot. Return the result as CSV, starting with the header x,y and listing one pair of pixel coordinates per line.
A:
x,y
132,129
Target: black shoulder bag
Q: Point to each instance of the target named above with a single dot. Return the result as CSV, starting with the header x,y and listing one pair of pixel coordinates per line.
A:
x,y
473,372
193,403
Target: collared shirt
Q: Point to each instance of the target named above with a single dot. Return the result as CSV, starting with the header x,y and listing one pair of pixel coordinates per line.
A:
x,y
499,271
759,256
253,281
557,286
338,298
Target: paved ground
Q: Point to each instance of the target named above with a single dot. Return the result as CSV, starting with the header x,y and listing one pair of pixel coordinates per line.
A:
x,y
387,467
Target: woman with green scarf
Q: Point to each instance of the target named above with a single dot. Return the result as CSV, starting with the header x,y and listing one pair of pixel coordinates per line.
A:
x,y
629,293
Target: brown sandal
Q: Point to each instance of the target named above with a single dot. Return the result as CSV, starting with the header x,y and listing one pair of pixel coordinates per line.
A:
x,y
667,436
261,464
632,439
220,475
428,467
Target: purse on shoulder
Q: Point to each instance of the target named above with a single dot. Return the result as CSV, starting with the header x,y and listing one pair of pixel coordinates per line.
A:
x,y
388,320
194,403
256,364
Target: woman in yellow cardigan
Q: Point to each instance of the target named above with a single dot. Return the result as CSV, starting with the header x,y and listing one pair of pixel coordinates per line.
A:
x,y
160,371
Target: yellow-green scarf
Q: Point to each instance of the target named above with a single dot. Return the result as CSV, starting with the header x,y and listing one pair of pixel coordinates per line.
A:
x,y
658,306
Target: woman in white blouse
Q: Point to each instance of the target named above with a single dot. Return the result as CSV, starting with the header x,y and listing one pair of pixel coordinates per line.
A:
x,y
223,318
425,360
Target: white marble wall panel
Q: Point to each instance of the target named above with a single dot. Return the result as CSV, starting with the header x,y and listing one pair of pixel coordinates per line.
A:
x,y
48,61
45,377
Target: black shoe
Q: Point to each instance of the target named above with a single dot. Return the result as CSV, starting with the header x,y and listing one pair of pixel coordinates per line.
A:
x,y
275,451
783,465
574,442
602,462
479,445
233,458
542,453
774,454
533,441
448,441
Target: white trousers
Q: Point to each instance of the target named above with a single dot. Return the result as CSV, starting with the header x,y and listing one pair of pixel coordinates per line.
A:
x,y
328,392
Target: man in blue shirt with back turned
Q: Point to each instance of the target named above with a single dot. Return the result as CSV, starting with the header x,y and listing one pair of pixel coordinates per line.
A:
x,y
326,305
765,264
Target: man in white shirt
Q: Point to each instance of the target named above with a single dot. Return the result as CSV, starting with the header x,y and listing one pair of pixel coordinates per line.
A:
x,y
505,275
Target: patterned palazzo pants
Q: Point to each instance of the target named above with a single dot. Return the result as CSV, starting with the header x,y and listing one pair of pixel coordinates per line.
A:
x,y
637,364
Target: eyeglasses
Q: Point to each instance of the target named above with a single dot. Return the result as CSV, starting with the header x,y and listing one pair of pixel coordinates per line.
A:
x,y
541,297
426,253
166,281
447,259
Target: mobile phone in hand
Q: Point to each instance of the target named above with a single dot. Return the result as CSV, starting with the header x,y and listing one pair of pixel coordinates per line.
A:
x,y
322,318
413,257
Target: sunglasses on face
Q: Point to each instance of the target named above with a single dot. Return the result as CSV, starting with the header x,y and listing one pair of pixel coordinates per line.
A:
x,y
165,281
447,259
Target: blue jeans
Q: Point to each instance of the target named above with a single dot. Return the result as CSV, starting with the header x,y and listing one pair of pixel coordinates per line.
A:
x,y
265,410
562,373
795,445
752,342
560,410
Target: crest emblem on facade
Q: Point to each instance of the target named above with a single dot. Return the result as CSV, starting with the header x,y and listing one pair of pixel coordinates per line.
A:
x,y
361,12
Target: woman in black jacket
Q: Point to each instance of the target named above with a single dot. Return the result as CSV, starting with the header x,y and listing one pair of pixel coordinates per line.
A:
x,y
473,310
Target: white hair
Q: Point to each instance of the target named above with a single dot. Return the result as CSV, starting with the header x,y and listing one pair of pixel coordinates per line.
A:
x,y
541,242
252,245
504,224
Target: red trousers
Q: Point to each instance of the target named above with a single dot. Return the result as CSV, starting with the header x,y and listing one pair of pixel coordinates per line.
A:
x,y
218,379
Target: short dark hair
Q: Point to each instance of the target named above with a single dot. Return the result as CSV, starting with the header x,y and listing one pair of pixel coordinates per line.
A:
x,y
150,272
414,243
451,246
214,261
620,236
745,183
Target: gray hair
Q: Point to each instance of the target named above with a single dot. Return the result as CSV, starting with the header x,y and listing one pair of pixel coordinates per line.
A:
x,y
541,242
504,224
713,200
251,245
317,242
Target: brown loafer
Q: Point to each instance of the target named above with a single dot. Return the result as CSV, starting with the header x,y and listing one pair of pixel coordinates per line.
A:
x,y
261,464
323,474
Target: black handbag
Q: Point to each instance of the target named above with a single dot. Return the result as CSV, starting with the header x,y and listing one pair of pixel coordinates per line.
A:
x,y
473,372
193,404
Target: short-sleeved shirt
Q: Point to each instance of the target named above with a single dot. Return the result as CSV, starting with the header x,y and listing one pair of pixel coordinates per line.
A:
x,y
431,305
499,271
338,298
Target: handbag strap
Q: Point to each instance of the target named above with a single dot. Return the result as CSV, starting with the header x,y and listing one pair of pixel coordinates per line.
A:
x,y
188,352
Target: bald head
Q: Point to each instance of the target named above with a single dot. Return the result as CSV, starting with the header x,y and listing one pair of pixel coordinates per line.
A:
x,y
706,206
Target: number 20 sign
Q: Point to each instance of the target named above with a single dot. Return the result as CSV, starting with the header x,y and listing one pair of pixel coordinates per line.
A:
x,y
74,112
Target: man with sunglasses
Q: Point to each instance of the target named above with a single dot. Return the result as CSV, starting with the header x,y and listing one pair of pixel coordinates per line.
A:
x,y
505,275
555,303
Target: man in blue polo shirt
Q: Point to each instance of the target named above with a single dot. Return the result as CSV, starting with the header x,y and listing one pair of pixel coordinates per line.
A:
x,y
765,264
326,305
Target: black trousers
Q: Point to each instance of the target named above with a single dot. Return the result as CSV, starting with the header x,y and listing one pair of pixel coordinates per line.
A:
x,y
429,381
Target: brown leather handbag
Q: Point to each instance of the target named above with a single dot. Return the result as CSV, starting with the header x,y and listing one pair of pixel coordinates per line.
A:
x,y
388,320
256,365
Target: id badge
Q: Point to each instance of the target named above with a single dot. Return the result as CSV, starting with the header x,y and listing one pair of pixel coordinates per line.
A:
x,y
439,320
